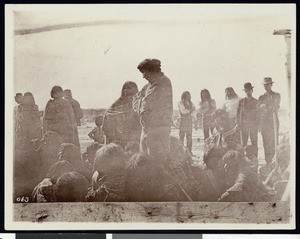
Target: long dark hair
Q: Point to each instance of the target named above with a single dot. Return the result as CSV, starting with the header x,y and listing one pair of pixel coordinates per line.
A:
x,y
186,99
129,85
208,95
232,92
56,89
28,99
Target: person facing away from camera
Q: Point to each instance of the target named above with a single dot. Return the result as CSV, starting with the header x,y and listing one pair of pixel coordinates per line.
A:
x,y
28,128
120,122
18,99
231,104
75,105
154,104
59,117
248,117
186,108
97,133
207,107
108,174
269,103
28,121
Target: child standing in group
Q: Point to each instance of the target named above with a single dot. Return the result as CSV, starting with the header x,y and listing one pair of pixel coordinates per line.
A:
x,y
207,107
186,108
97,133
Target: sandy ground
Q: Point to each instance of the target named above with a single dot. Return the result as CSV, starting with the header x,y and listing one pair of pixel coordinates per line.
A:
x,y
197,148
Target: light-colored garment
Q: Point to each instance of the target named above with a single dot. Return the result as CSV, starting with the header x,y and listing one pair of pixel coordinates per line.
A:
x,y
186,117
154,103
207,108
156,142
183,110
43,191
186,123
231,107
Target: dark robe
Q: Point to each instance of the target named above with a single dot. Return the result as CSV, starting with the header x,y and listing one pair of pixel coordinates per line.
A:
x,y
121,123
59,117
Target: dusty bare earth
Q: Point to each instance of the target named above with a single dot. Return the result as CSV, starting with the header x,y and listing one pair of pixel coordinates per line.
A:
x,y
88,124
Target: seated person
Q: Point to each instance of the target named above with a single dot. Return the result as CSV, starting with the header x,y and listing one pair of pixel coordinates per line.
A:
x,y
89,155
69,187
213,176
224,135
243,184
108,176
71,153
250,156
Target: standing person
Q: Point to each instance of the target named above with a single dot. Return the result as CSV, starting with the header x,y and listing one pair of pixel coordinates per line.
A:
x,y
96,133
75,105
26,164
18,99
207,107
60,118
248,117
186,108
120,122
28,122
154,104
269,104
231,104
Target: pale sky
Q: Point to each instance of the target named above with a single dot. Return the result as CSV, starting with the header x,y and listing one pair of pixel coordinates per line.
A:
x,y
200,46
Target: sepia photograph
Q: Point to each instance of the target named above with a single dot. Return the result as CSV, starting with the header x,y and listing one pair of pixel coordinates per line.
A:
x,y
150,116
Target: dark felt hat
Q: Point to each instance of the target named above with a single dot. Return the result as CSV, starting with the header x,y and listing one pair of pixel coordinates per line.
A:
x,y
150,65
248,86
267,80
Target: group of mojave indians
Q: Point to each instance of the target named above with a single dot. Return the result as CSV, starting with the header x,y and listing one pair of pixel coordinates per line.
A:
x,y
134,157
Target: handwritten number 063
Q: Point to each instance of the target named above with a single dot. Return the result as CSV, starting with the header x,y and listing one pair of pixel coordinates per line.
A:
x,y
22,199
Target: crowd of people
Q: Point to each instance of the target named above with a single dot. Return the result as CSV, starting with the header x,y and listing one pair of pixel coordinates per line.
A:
x,y
246,117
134,158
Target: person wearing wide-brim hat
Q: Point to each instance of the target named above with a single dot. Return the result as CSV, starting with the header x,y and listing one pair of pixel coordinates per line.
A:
x,y
267,81
248,117
269,104
154,104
